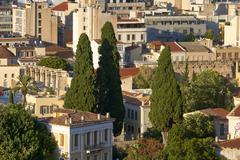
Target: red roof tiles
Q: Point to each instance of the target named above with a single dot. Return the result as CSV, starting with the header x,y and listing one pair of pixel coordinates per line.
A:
x,y
216,112
61,7
233,143
235,111
127,72
174,46
5,53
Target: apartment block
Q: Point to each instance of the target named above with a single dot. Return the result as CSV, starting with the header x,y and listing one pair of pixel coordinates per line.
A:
x,y
173,28
5,20
82,135
232,32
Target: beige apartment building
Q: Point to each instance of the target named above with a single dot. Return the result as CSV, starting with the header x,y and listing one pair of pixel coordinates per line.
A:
x,y
36,19
82,135
90,19
227,53
9,68
5,19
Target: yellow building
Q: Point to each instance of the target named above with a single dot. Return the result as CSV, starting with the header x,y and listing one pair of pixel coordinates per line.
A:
x,y
82,135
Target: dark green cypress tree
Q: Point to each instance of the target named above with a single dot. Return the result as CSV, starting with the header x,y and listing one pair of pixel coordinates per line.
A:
x,y
108,79
11,97
81,94
166,99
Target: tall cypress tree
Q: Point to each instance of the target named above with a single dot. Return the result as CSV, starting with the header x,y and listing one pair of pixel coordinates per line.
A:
x,y
81,94
108,79
166,99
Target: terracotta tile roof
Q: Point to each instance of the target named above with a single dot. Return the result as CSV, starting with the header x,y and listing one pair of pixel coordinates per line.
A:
x,y
235,111
5,53
215,112
127,72
138,99
233,143
59,51
61,7
174,46
77,117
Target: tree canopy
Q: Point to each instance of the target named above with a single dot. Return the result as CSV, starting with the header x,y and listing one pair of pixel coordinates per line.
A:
x,y
208,89
166,99
192,139
82,93
23,137
55,62
209,34
108,79
144,78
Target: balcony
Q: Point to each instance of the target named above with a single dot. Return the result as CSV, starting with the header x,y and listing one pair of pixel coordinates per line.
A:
x,y
94,148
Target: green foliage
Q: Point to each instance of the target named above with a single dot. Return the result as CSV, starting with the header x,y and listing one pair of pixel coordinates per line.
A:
x,y
189,38
144,78
55,62
108,79
152,133
22,137
192,140
208,89
209,34
25,86
11,97
166,99
145,149
81,94
119,153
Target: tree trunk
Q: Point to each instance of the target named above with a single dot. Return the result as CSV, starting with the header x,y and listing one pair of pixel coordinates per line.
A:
x,y
165,138
24,100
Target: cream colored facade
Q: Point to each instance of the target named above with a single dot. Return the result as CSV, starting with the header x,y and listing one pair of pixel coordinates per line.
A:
x,y
19,21
5,19
40,22
90,19
9,75
136,121
80,139
43,105
232,29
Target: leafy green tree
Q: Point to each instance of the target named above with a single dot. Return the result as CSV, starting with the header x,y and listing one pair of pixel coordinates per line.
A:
x,y
23,137
189,38
82,94
144,78
208,90
209,34
166,99
108,79
192,139
55,62
25,85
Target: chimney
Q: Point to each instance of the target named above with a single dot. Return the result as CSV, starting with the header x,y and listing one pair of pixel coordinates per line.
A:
x,y
70,120
82,118
99,116
216,139
108,115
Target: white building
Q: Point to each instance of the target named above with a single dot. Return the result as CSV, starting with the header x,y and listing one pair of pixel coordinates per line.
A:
x,y
232,32
82,135
131,30
19,21
136,121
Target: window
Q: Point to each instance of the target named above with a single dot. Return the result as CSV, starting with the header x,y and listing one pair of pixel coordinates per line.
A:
x,y
132,114
61,142
95,138
84,28
128,112
128,37
39,7
119,37
106,135
230,55
88,138
12,75
84,9
39,15
88,157
39,23
224,56
135,115
236,55
141,36
133,37
76,140
106,156
129,128
132,129
95,157
39,30
221,129
5,75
